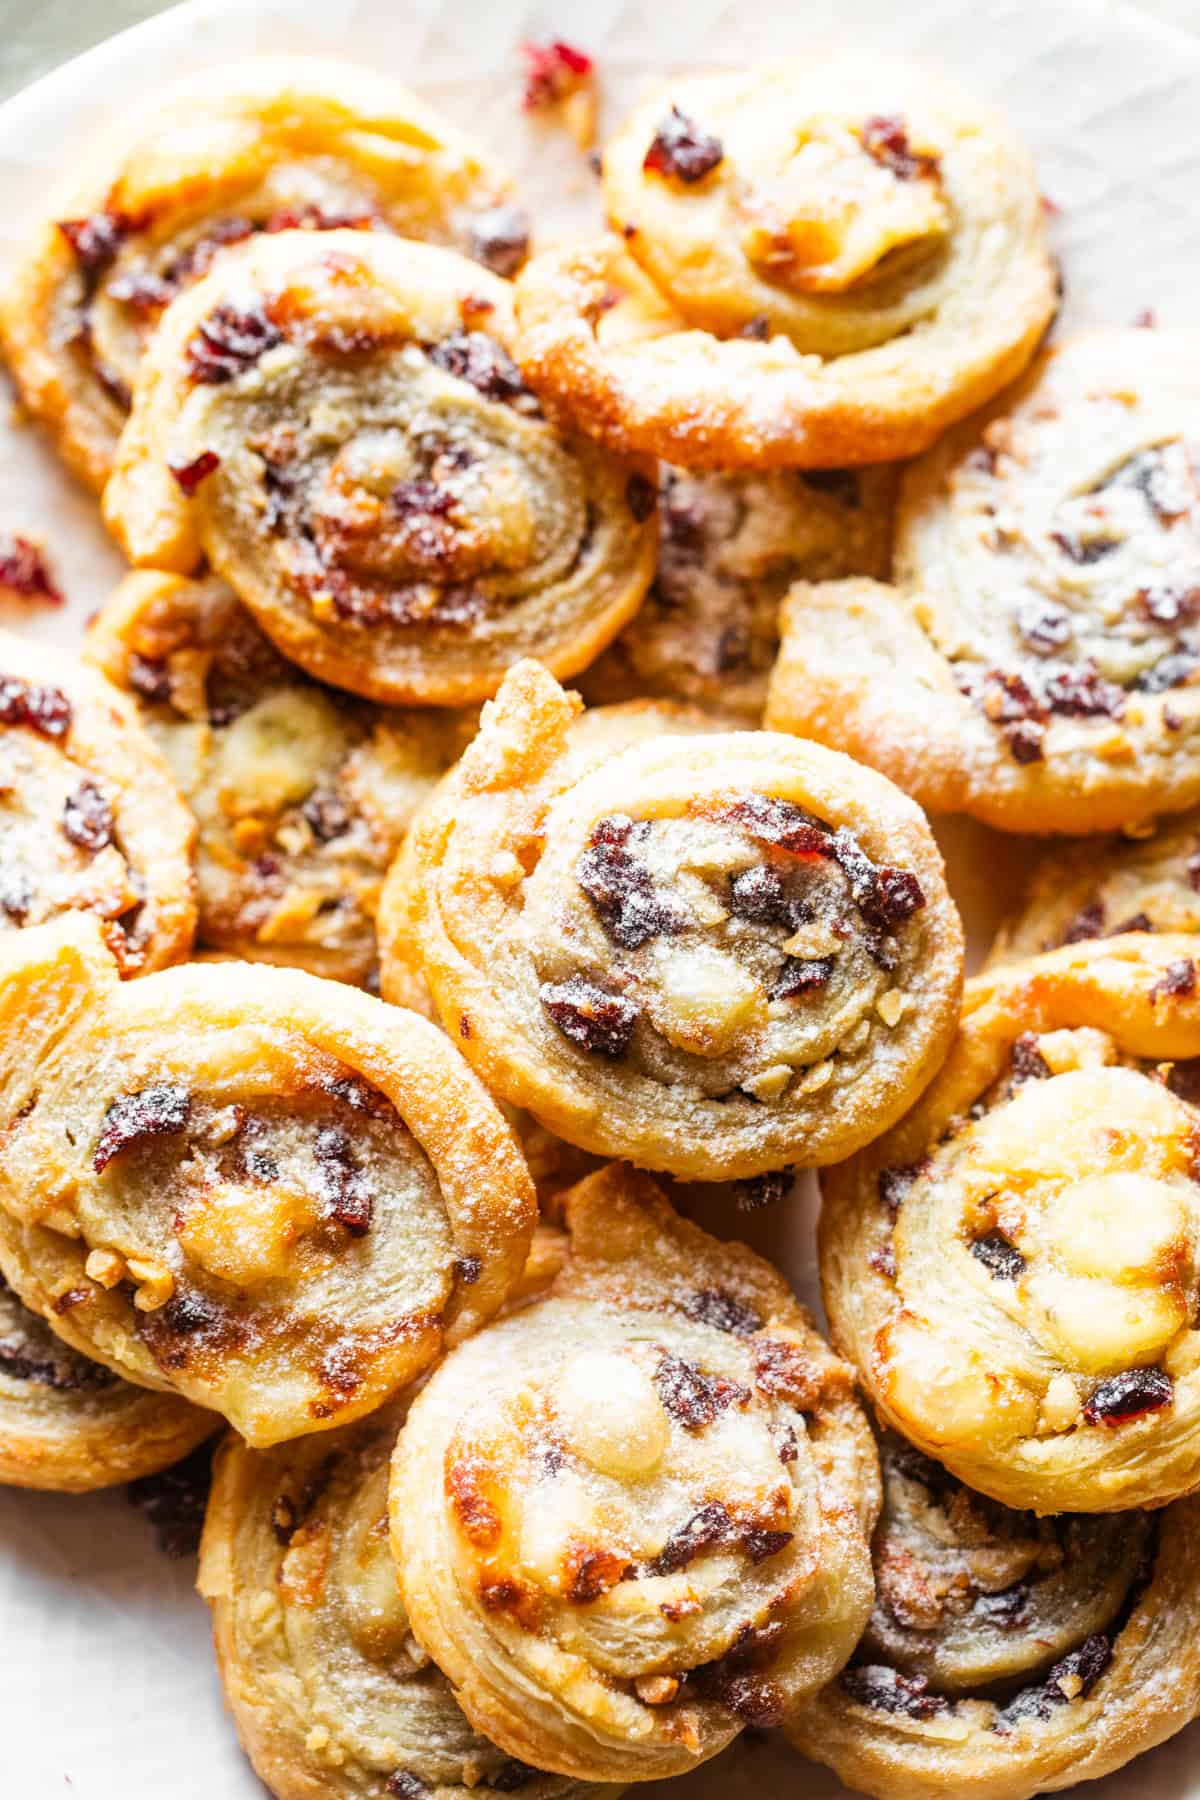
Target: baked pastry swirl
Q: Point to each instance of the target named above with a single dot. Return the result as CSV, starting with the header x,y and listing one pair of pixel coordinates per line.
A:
x,y
729,548
336,422
819,263
1105,886
1035,663
301,793
91,820
633,1517
271,1193
271,144
1013,1269
332,1695
69,1424
1009,1655
715,955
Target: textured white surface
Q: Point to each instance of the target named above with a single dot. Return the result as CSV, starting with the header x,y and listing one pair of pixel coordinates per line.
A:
x,y
107,1690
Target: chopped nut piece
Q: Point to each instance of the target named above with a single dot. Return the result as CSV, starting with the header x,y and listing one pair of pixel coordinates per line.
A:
x,y
892,1006
156,1284
656,1690
105,1267
768,1084
819,1076
1061,1407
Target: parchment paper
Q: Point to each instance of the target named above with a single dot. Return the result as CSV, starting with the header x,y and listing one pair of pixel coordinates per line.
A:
x,y
107,1684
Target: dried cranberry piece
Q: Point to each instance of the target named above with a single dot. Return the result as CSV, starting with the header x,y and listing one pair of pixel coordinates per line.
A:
x,y
156,1111
1044,626
757,330
1028,1063
999,1257
327,815
1087,923
344,1189
680,149
710,1526
783,824
620,887
175,1501
1177,980
1026,742
95,240
25,571
88,818
760,1545
16,895
1168,672
1008,1609
229,342
894,1185
640,497
1127,1396
510,1776
1138,921
1168,605
149,678
1083,694
1084,1666
552,72
468,1269
691,1396
590,1016
884,137
757,1191
758,894
475,357
887,1690
45,710
190,475
802,975
1084,550
402,1784
719,1308
499,239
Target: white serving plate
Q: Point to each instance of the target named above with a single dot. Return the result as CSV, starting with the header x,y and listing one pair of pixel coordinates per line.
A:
x,y
107,1684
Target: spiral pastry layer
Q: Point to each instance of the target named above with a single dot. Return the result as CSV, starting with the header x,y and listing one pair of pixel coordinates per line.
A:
x,y
1035,662
92,821
301,793
819,263
729,548
336,423
1009,1655
1014,1269
632,1517
271,1193
70,1425
333,1697
268,145
716,954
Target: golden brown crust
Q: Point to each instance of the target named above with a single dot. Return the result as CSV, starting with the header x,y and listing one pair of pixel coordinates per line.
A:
x,y
278,1196
729,548
301,793
853,261
264,143
1011,1269
92,822
1147,881
1087,1625
332,1697
335,421
69,1425
662,947
1034,663
630,1518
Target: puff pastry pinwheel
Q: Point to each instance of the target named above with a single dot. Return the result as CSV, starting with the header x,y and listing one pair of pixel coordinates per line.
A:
x,y
1009,1655
332,1696
819,263
69,1424
301,793
270,1193
633,1517
716,955
1014,1269
336,423
1035,663
729,548
267,145
91,820
1105,886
